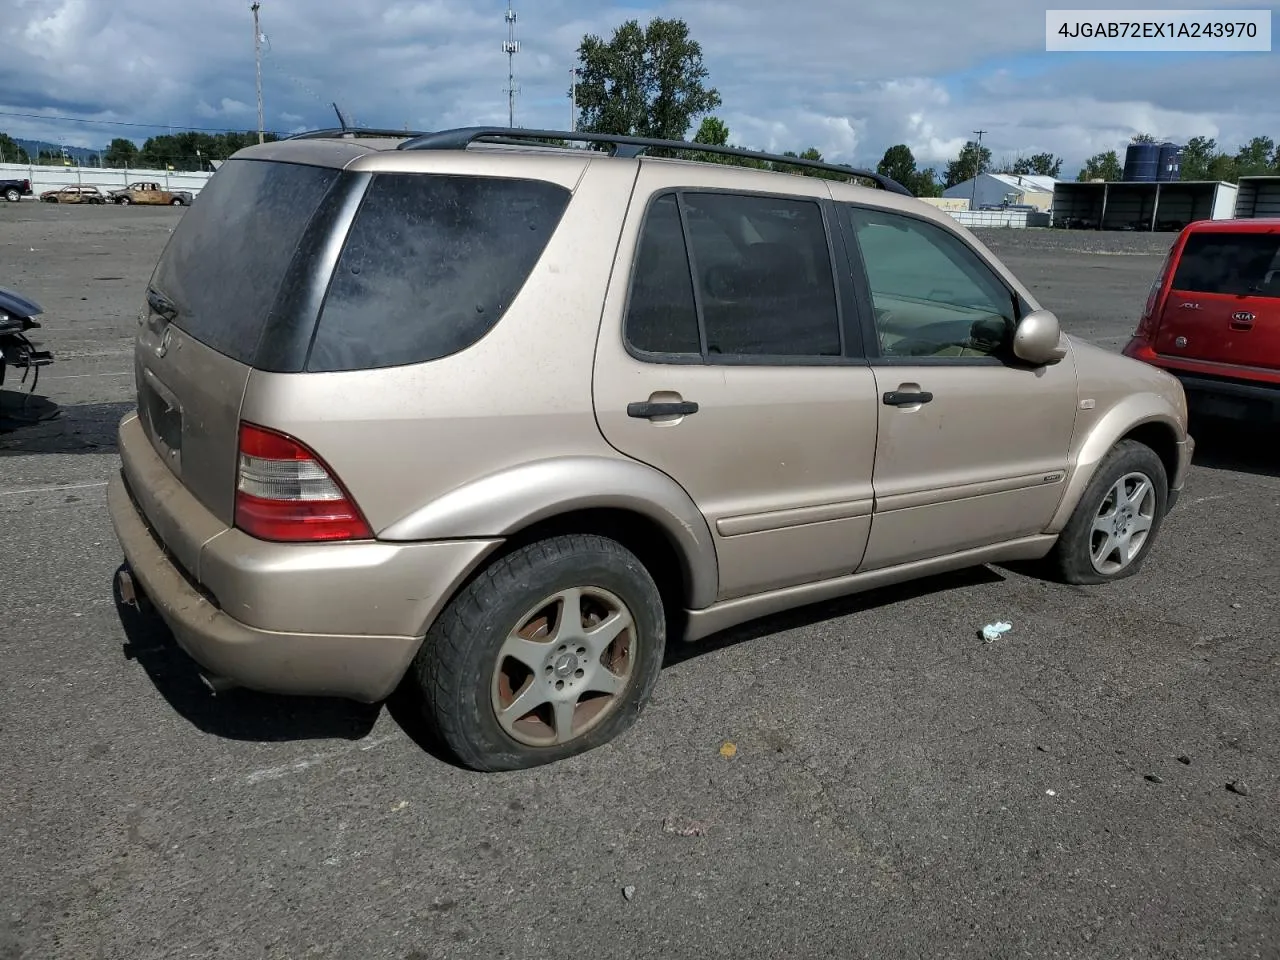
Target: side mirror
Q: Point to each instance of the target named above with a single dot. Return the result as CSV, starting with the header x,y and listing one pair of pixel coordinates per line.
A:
x,y
1038,339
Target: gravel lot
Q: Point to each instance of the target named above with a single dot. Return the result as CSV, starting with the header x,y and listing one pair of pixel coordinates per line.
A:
x,y
900,788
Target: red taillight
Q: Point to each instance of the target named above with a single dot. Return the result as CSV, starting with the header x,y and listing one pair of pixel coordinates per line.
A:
x,y
284,492
1155,298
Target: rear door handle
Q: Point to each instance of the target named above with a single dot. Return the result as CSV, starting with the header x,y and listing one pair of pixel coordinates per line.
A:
x,y
648,410
899,398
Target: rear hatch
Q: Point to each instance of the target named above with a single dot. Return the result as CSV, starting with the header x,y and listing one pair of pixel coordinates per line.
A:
x,y
208,304
1224,300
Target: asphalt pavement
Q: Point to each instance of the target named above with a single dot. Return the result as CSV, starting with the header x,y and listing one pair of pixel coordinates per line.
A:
x,y
898,787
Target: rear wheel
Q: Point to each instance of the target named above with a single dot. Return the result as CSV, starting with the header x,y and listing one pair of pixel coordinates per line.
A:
x,y
1117,519
177,202
124,201
551,652
13,196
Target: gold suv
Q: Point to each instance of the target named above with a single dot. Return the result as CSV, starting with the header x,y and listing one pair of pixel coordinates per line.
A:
x,y
492,420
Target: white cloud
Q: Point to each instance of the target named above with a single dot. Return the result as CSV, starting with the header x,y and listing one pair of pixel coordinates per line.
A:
x,y
848,78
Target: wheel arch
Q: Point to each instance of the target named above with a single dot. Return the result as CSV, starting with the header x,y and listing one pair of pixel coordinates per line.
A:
x,y
1145,417
644,509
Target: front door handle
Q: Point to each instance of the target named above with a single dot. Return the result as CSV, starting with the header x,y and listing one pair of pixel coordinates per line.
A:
x,y
902,398
649,410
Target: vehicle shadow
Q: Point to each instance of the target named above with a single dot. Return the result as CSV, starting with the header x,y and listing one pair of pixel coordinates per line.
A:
x,y
1237,447
233,714
78,428
245,715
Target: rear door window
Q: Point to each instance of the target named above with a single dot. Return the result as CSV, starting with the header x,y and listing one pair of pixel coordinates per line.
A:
x,y
430,265
1232,264
762,270
227,257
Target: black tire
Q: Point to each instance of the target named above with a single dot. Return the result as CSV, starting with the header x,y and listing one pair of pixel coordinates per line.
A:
x,y
13,196
453,676
176,202
1071,560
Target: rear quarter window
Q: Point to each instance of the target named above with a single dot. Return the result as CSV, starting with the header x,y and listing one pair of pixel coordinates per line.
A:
x,y
1234,264
229,254
431,264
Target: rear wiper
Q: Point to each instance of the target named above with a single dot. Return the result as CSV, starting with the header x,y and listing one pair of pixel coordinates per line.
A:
x,y
161,304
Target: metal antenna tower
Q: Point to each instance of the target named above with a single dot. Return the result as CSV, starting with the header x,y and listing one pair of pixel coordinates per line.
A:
x,y
257,62
511,46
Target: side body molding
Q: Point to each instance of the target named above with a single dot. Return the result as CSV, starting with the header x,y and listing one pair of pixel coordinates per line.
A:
x,y
506,502
1132,411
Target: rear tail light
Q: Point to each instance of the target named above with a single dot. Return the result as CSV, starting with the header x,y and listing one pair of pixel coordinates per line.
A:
x,y
1155,298
284,492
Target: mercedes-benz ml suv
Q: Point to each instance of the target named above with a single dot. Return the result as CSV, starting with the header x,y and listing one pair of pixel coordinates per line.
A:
x,y
495,421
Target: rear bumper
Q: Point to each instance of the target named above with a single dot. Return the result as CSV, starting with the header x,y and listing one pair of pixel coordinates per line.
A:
x,y
1231,398
310,619
1214,389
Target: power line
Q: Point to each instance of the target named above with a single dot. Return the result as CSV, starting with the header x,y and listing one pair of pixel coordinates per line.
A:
x,y
122,123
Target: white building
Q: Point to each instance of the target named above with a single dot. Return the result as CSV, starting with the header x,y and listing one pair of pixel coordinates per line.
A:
x,y
996,189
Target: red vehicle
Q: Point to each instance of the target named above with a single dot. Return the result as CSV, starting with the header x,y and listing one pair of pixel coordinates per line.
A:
x,y
1212,318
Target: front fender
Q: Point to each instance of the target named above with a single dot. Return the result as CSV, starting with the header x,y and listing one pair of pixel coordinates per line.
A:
x,y
507,502
1106,430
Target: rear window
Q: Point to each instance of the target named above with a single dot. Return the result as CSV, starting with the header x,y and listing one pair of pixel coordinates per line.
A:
x,y
431,264
228,255
1235,264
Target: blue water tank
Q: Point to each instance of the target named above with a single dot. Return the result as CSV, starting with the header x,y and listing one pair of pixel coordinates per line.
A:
x,y
1170,162
1142,162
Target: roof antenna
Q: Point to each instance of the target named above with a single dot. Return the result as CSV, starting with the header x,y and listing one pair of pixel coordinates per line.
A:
x,y
342,121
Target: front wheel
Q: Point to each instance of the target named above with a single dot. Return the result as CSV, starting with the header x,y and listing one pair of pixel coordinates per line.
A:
x,y
177,202
1114,525
550,652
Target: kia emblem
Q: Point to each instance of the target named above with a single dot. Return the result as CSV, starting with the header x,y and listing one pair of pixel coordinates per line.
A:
x,y
1243,316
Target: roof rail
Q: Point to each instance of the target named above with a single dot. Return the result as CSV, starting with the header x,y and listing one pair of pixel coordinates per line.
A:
x,y
629,147
349,132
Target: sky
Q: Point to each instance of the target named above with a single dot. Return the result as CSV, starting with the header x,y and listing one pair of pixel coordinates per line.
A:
x,y
848,78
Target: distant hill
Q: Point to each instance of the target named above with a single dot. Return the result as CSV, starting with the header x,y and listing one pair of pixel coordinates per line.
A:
x,y
33,147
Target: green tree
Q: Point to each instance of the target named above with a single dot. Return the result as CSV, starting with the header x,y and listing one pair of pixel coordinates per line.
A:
x,y
1144,138
1196,157
1040,164
899,163
121,153
1256,158
1224,167
971,162
192,151
927,183
1102,166
714,131
643,81
10,152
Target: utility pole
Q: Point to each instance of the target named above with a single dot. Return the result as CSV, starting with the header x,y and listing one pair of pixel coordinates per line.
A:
x,y
573,99
257,63
977,168
511,46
